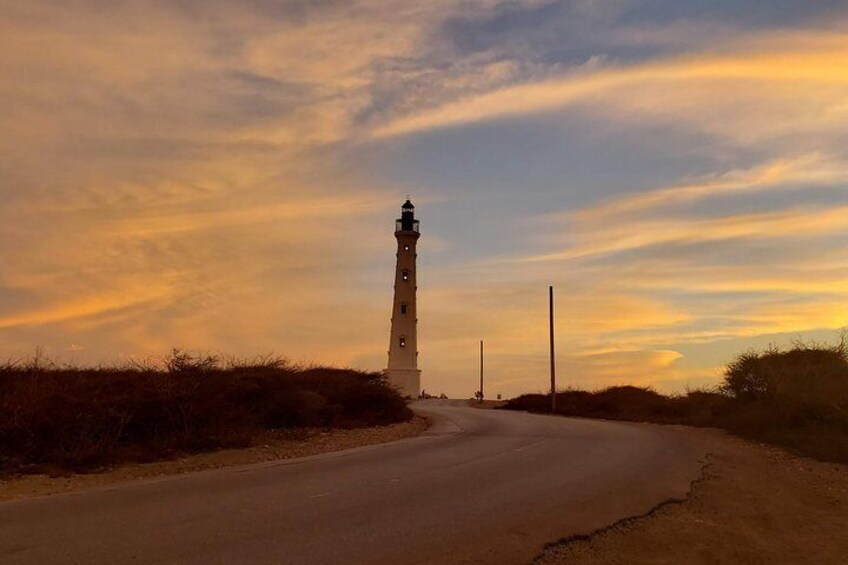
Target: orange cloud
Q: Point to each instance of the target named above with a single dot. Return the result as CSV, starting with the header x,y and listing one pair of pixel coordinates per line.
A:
x,y
638,234
676,83
86,307
187,191
801,173
289,212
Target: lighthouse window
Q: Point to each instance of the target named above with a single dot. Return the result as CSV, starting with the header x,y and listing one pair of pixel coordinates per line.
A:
x,y
403,308
405,275
402,341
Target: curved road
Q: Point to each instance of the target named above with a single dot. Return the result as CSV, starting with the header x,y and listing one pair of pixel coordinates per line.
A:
x,y
481,486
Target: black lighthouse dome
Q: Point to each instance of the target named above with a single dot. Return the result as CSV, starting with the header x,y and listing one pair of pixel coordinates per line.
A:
x,y
407,221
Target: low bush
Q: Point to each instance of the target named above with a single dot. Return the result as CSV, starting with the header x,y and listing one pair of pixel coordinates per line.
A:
x,y
78,419
806,382
796,398
627,403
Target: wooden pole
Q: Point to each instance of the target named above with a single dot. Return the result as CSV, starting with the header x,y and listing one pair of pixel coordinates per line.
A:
x,y
481,370
553,361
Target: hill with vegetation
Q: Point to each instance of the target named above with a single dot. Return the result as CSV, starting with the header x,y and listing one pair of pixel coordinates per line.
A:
x,y
797,398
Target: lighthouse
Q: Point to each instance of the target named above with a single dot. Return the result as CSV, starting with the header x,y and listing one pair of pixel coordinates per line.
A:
x,y
403,371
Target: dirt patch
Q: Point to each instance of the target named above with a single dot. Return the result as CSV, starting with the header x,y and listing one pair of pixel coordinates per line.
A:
x,y
755,505
271,446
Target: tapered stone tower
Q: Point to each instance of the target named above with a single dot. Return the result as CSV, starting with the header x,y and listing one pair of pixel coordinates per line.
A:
x,y
403,370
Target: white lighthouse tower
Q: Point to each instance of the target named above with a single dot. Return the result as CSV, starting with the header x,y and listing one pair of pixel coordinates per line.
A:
x,y
403,370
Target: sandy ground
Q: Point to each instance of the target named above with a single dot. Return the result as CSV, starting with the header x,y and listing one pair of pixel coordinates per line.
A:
x,y
273,446
754,505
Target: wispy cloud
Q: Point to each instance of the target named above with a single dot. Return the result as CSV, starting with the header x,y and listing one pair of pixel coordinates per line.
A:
x,y
85,307
217,175
793,223
674,86
800,173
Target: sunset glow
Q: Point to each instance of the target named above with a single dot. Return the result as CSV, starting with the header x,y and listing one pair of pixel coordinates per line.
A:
x,y
224,176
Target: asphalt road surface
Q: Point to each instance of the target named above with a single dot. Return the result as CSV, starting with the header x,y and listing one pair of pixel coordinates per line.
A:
x,y
481,486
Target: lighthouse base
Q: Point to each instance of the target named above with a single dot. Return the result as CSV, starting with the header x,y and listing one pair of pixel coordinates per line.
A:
x,y
406,381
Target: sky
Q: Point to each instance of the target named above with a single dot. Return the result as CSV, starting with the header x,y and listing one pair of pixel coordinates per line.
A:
x,y
223,176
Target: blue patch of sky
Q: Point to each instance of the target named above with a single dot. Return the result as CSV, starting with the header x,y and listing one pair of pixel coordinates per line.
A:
x,y
776,200
763,252
555,32
571,33
748,13
555,162
497,174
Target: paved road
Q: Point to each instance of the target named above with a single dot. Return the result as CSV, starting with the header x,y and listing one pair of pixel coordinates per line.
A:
x,y
482,486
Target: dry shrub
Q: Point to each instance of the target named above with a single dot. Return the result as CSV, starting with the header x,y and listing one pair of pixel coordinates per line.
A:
x,y
796,398
808,381
78,419
627,403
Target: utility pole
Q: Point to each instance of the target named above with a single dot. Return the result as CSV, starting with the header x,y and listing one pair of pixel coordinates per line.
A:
x,y
553,362
481,370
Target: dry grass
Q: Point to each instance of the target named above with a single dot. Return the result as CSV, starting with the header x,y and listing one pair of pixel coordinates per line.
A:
x,y
797,399
59,419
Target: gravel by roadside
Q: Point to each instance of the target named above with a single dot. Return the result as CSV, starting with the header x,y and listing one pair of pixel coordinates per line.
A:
x,y
273,446
755,505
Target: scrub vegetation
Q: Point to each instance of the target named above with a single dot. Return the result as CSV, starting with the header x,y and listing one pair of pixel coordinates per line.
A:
x,y
797,398
59,419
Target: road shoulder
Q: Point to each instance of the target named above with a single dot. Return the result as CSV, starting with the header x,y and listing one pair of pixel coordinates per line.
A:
x,y
272,446
754,504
